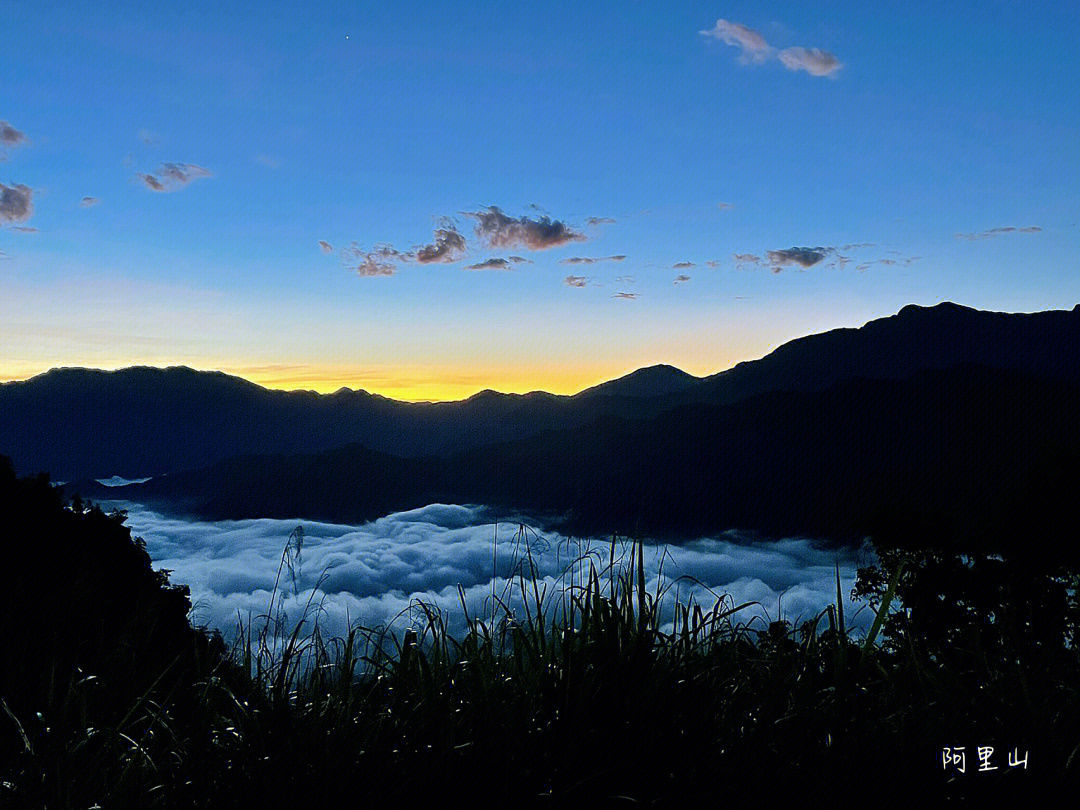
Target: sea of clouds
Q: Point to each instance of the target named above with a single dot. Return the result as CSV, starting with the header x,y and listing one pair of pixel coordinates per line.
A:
x,y
375,574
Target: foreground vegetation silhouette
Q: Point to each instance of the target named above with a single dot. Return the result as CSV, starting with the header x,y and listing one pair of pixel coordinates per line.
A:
x,y
607,692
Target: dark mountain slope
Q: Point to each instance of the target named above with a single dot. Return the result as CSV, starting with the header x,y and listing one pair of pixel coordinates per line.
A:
x,y
962,456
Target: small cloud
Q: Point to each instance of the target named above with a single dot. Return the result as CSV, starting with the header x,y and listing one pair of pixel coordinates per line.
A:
x,y
24,229
713,263
10,138
498,230
752,45
742,259
267,161
149,138
87,202
754,49
519,260
325,246
491,264
625,296
814,61
593,222
575,281
681,279
448,247
624,279
173,176
723,206
378,262
858,246
994,232
592,259
16,203
802,256
682,265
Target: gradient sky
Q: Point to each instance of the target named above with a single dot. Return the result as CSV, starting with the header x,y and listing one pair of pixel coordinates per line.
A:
x,y
169,171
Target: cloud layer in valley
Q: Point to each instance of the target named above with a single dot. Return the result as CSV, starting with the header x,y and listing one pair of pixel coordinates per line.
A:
x,y
373,573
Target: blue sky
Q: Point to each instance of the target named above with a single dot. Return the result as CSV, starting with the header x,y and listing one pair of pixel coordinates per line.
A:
x,y
827,125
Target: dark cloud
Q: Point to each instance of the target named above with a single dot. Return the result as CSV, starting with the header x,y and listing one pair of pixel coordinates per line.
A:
x,y
814,61
16,203
382,261
325,246
625,296
592,259
993,232
575,281
680,279
448,247
498,230
491,264
682,265
173,176
802,256
10,138
86,202
754,49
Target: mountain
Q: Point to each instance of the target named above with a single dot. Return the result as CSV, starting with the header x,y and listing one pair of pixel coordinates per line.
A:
x,y
136,422
968,457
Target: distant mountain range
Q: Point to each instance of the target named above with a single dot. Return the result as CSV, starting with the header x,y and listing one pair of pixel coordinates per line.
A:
x,y
942,420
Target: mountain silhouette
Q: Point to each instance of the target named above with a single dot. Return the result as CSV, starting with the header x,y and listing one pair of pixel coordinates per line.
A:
x,y
137,422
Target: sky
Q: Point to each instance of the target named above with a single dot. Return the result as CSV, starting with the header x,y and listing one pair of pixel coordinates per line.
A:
x,y
425,200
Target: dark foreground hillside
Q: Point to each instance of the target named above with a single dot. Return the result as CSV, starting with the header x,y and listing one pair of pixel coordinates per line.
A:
x,y
111,700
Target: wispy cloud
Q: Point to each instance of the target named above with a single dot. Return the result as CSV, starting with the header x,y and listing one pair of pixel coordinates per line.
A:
x,y
626,296
325,246
267,161
753,48
624,279
382,261
994,232
743,259
575,281
797,256
16,203
682,265
448,247
723,206
681,279
24,229
491,264
173,176
149,138
497,230
592,222
592,259
87,202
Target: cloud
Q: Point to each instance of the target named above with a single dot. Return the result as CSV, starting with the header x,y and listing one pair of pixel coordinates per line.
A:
x,y
497,230
752,44
24,229
575,281
723,206
593,222
448,247
10,138
814,61
713,263
680,279
382,261
995,232
16,203
742,259
624,279
682,265
519,260
149,138
802,256
87,202
625,296
373,573
491,264
267,161
754,49
173,176
325,246
592,259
